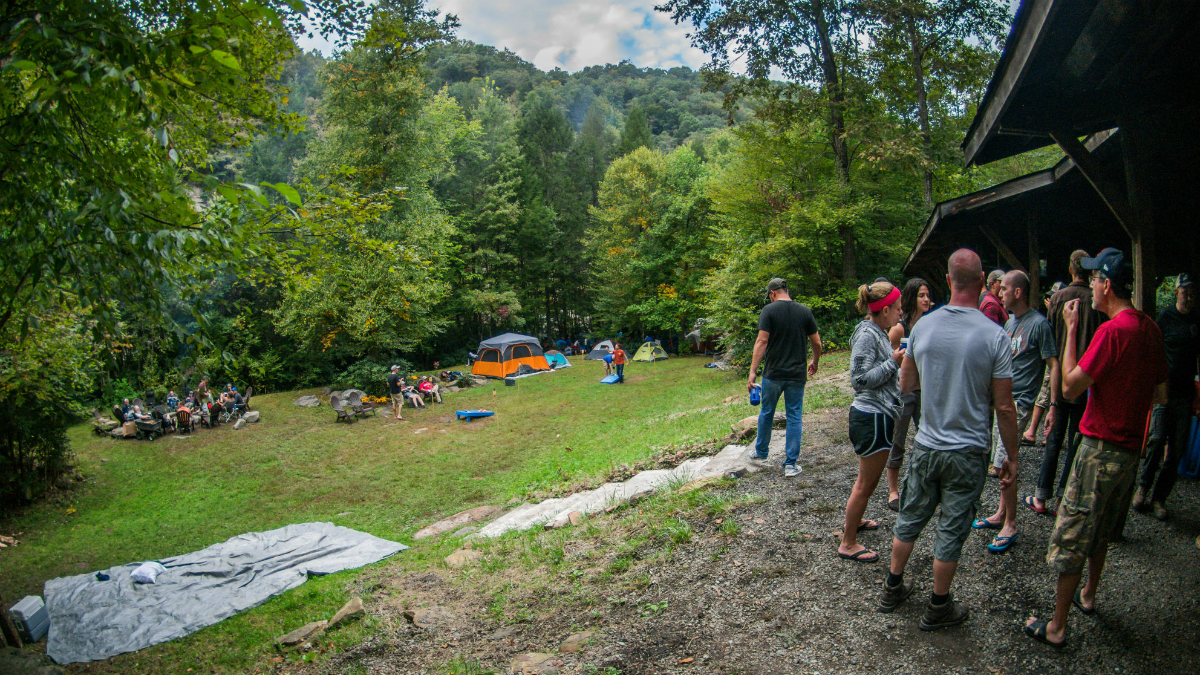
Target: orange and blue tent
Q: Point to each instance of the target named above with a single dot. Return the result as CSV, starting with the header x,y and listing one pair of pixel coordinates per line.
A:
x,y
509,354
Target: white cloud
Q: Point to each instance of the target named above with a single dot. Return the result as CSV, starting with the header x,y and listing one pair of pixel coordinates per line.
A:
x,y
571,35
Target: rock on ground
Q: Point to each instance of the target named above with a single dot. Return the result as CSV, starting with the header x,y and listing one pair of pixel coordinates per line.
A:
x,y
463,557
351,610
459,519
239,424
534,663
302,634
251,417
308,401
576,642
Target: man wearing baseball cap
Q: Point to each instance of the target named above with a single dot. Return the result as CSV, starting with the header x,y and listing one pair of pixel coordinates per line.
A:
x,y
785,329
396,390
1124,371
1181,335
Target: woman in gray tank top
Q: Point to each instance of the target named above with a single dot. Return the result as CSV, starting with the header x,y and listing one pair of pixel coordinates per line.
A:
x,y
875,375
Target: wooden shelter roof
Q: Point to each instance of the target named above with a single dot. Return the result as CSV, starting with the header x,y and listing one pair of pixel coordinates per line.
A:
x,y
1077,67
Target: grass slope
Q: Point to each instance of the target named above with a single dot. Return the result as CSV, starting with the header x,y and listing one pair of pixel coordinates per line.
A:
x,y
148,500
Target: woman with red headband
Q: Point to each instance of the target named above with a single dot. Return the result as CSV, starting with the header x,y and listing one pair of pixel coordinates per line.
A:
x,y
875,375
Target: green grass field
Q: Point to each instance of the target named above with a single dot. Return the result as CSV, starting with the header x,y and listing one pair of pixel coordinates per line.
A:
x,y
146,500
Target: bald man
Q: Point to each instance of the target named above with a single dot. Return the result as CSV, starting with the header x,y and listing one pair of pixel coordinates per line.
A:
x,y
1033,350
962,362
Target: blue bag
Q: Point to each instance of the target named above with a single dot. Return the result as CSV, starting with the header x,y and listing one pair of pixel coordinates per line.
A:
x,y
1189,466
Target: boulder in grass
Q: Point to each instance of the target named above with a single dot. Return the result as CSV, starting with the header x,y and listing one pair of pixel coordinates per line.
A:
x,y
308,401
350,610
302,634
250,417
239,424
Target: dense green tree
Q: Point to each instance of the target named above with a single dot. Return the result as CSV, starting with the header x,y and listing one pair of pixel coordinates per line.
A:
x,y
649,247
636,133
107,108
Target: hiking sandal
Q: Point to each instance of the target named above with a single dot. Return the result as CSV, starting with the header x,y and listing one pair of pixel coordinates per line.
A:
x,y
1037,631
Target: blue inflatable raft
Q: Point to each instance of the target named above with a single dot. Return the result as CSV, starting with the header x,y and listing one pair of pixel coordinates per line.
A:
x,y
470,415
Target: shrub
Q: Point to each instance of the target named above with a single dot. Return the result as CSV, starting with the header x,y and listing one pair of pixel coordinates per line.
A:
x,y
369,375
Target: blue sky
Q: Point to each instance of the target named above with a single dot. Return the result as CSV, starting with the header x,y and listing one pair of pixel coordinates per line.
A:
x,y
569,34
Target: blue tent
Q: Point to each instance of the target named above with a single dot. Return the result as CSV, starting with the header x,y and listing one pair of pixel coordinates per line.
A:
x,y
556,359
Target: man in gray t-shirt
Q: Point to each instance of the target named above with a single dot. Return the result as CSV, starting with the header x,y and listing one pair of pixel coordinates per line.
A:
x,y
962,363
1033,348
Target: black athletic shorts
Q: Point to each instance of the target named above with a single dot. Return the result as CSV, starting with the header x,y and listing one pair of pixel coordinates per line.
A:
x,y
870,432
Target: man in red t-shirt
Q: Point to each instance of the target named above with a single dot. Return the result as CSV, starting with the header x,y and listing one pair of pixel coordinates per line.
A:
x,y
989,302
619,361
1124,371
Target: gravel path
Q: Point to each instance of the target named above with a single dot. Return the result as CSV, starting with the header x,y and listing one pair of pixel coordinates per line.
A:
x,y
776,599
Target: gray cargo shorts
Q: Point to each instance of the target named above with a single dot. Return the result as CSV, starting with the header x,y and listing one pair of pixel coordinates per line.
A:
x,y
952,478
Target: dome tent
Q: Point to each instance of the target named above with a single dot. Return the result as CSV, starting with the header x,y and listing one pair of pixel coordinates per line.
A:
x,y
650,352
599,351
505,355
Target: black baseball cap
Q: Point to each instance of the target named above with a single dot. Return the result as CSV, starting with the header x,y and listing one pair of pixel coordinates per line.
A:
x,y
1184,279
1112,264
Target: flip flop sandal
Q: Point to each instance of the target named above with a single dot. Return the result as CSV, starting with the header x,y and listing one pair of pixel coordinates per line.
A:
x,y
858,557
1037,631
1078,602
1042,511
868,526
985,524
894,504
1002,544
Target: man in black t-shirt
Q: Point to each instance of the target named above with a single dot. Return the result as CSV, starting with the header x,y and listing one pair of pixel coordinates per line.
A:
x,y
396,390
783,328
1181,336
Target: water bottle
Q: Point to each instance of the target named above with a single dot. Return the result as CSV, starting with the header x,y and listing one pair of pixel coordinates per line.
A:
x,y
756,395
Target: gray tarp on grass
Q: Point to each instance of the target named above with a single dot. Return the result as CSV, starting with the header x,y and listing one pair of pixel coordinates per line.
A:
x,y
92,620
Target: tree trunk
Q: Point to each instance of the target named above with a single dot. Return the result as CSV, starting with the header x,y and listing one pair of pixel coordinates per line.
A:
x,y
918,66
837,134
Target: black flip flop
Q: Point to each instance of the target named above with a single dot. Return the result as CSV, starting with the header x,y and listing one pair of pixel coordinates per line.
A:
x,y
858,557
1037,631
868,526
894,504
1078,602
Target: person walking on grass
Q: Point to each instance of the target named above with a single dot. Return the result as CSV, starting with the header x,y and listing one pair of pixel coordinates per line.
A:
x,y
1063,419
1033,351
1181,335
1124,371
963,363
396,391
783,327
619,358
915,302
875,376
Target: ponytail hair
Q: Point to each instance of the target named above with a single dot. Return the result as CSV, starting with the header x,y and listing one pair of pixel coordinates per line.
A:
x,y
868,293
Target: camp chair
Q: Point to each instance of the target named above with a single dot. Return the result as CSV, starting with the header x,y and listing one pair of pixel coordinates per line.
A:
x,y
339,407
183,421
228,412
118,415
361,407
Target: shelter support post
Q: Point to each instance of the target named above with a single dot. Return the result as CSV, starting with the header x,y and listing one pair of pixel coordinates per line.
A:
x,y
6,626
1138,179
1002,248
1035,265
1108,190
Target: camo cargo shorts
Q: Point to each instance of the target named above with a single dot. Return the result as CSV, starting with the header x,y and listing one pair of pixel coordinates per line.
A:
x,y
1097,493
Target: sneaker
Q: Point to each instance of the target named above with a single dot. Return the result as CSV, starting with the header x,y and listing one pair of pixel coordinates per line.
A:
x,y
993,472
949,613
753,456
791,471
1140,503
894,595
1160,511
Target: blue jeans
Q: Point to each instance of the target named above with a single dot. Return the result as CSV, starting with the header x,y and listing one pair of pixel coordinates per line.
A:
x,y
620,372
793,400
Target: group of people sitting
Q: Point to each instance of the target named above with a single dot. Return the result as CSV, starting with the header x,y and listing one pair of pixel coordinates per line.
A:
x,y
415,391
199,401
974,376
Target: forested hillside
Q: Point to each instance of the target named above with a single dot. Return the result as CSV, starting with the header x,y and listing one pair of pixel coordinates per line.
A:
x,y
239,210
